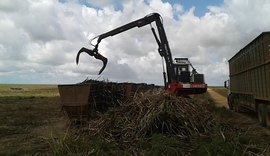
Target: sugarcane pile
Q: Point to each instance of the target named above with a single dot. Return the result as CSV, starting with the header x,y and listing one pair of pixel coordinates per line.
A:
x,y
104,94
150,113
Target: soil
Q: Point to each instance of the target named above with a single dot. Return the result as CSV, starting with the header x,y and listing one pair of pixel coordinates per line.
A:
x,y
245,119
219,100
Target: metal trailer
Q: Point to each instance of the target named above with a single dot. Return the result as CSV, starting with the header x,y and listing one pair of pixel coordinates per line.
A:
x,y
84,101
249,84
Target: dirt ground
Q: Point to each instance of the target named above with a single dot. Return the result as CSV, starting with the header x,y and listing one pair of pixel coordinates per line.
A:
x,y
219,100
245,119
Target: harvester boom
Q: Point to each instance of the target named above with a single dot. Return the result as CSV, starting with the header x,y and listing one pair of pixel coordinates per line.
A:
x,y
164,49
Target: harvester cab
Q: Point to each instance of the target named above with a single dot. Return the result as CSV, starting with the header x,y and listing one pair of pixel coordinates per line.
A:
x,y
192,82
184,73
177,78
181,66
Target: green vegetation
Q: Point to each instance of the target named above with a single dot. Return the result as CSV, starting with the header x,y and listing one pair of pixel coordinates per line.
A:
x,y
220,90
28,115
21,90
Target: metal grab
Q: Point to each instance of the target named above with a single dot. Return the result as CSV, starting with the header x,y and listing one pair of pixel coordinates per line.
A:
x,y
94,53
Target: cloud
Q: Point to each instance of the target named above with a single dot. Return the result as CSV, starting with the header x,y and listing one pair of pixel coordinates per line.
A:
x,y
8,6
39,40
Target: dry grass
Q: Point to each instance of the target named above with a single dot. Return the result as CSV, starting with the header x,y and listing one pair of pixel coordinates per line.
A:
x,y
154,125
27,116
153,112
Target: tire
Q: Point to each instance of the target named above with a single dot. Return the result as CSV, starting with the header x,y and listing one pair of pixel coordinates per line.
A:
x,y
230,102
236,108
267,117
235,105
261,114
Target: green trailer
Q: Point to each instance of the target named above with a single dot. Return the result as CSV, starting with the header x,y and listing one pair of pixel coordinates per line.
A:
x,y
249,84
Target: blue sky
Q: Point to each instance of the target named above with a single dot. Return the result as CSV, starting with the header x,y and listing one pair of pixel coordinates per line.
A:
x,y
200,5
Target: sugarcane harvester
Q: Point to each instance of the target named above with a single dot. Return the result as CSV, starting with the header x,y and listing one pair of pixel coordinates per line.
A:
x,y
178,79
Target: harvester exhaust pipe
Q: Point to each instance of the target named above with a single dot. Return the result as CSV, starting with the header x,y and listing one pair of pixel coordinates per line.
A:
x,y
94,53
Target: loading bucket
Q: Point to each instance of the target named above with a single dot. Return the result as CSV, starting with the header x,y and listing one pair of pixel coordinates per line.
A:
x,y
74,100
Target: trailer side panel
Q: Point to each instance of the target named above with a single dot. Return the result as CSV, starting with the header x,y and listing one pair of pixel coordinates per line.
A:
x,y
250,73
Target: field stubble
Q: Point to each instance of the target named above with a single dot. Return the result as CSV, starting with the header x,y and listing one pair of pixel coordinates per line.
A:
x,y
28,115
32,123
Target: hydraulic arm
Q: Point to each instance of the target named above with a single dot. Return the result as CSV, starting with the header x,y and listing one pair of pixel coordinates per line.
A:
x,y
163,45
177,78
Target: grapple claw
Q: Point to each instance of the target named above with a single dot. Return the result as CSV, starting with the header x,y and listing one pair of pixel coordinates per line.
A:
x,y
95,54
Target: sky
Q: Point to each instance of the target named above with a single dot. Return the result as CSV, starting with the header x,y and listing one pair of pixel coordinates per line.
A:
x,y
39,39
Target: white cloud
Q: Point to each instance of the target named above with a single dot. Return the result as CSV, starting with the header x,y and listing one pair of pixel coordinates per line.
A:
x,y
9,6
39,40
104,3
178,8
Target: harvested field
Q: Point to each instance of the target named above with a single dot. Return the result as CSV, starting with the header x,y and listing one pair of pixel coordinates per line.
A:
x,y
220,100
150,124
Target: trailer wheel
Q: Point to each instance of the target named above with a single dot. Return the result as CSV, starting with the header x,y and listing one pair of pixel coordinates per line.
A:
x,y
267,117
261,115
235,105
236,108
230,102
